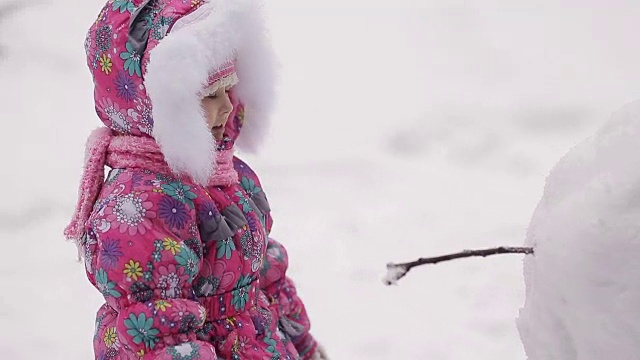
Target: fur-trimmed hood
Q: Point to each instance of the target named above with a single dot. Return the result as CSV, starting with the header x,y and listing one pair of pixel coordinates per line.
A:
x,y
151,60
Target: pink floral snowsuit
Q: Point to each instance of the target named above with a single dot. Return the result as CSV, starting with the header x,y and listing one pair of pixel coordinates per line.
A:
x,y
187,271
177,271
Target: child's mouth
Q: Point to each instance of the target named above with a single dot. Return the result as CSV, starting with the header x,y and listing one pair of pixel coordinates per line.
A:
x,y
217,132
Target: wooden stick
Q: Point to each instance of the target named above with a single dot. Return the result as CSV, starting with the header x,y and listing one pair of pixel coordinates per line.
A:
x,y
398,271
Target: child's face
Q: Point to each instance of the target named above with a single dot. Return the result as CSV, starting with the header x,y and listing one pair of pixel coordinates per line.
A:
x,y
217,108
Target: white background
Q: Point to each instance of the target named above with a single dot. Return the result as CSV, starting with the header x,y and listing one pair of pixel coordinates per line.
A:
x,y
403,129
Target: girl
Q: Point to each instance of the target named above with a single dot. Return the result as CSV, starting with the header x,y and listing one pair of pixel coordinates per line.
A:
x,y
177,237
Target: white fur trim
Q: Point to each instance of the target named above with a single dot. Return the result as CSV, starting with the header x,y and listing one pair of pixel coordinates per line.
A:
x,y
199,43
256,68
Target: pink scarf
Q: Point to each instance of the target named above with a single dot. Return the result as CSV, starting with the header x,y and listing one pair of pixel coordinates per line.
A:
x,y
121,151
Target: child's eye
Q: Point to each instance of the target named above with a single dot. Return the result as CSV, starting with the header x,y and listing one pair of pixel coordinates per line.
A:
x,y
212,96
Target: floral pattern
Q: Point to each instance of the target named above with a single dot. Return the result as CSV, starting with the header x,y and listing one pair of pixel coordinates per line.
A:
x,y
123,5
103,38
116,118
110,337
165,280
180,192
186,351
131,213
132,60
188,261
133,269
244,201
162,305
208,212
145,254
173,271
170,280
249,186
105,63
110,253
240,294
225,247
173,212
160,27
125,87
141,329
141,291
171,245
140,114
106,287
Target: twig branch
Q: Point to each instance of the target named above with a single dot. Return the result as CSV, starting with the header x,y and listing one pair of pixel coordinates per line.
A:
x,y
396,272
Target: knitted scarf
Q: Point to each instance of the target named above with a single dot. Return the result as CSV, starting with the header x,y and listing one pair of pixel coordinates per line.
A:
x,y
124,151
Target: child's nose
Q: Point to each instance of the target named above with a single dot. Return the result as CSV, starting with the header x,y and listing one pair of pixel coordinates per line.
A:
x,y
227,106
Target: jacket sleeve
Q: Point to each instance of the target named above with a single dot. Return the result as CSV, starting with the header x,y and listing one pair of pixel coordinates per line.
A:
x,y
284,300
146,254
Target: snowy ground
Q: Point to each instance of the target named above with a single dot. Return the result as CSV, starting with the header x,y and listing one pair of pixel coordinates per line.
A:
x,y
414,129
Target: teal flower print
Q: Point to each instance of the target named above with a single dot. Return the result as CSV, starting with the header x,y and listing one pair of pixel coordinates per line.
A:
x,y
132,60
160,28
105,286
244,201
272,345
241,294
180,192
225,247
249,186
189,261
186,351
141,329
123,5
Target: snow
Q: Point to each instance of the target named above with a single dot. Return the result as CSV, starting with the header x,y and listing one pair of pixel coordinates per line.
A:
x,y
394,273
404,129
582,290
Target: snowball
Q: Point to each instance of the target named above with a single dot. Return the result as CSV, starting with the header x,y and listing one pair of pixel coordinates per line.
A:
x,y
583,283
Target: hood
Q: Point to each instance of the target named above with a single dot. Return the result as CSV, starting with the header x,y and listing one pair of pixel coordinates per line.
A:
x,y
151,60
